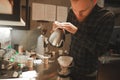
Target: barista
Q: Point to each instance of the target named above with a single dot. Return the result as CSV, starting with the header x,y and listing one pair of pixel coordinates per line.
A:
x,y
91,27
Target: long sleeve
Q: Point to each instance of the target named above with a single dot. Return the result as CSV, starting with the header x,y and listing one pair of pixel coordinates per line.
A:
x,y
95,39
91,39
98,44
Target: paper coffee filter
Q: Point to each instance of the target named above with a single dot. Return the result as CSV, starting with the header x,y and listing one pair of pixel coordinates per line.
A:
x,y
65,61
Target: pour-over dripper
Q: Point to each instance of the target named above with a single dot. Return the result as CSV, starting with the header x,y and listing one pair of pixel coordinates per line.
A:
x,y
64,62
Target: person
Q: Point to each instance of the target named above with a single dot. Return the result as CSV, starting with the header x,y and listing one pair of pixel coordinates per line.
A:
x,y
91,27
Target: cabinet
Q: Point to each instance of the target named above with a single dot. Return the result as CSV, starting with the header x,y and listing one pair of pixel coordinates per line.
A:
x,y
100,3
109,71
47,12
15,19
43,12
114,6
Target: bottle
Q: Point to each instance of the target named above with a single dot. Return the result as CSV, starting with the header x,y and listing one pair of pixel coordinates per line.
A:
x,y
40,45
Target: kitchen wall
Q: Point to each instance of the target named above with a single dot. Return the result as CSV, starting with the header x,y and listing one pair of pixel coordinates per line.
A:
x,y
28,38
100,3
5,37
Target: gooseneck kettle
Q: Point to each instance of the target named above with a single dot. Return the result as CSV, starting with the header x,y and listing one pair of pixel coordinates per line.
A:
x,y
57,38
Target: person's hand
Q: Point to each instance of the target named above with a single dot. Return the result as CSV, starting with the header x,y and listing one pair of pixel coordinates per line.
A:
x,y
69,27
56,25
66,26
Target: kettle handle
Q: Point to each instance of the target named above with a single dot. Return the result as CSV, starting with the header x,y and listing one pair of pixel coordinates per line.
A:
x,y
61,43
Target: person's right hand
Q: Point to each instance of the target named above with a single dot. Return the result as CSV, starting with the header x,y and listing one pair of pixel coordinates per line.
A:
x,y
65,25
69,27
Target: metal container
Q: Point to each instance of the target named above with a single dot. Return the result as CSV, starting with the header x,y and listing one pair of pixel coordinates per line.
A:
x,y
57,38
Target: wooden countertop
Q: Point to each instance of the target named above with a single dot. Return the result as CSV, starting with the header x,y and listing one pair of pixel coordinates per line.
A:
x,y
109,71
44,71
47,71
